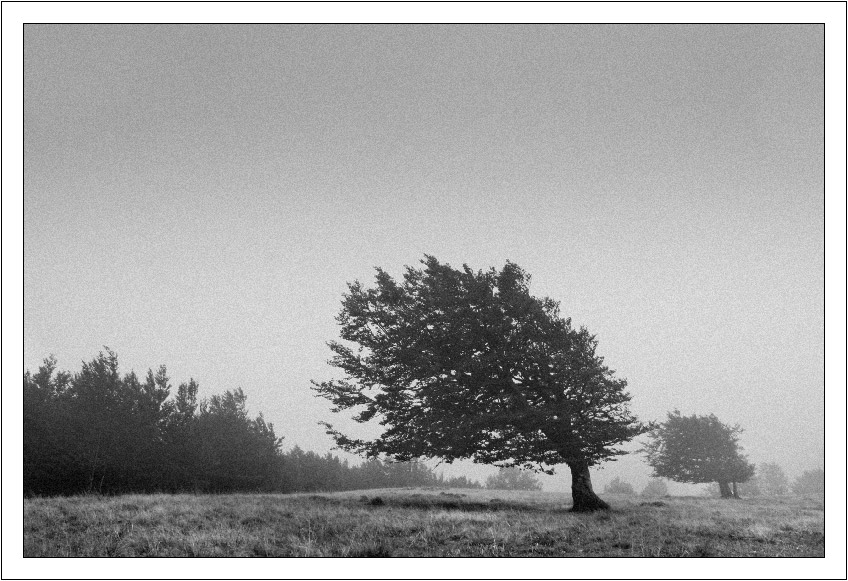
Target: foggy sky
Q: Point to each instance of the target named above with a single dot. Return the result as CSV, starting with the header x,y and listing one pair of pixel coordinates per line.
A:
x,y
199,196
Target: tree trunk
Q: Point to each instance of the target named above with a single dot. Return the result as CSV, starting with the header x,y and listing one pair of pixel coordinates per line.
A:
x,y
724,488
585,499
735,493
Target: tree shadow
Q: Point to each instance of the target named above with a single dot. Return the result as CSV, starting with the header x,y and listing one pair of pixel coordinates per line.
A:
x,y
453,503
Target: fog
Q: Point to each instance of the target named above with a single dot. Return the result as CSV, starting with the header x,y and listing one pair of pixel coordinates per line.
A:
x,y
200,196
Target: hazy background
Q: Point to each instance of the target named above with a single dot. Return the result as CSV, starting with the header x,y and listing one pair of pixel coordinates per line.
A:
x,y
198,196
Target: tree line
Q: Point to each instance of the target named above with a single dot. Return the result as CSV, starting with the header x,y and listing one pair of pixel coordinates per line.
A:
x,y
451,363
100,431
703,450
462,364
769,480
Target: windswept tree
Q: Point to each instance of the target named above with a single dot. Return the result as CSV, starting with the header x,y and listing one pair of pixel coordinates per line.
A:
x,y
458,364
698,449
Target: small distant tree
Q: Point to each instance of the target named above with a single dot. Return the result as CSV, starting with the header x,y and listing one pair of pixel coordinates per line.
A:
x,y
655,487
698,449
810,482
513,479
618,486
771,480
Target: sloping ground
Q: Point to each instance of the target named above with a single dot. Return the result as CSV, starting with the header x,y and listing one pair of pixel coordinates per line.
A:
x,y
419,523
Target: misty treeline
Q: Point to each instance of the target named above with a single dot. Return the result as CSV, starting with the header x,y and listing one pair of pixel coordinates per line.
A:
x,y
99,431
511,478
771,480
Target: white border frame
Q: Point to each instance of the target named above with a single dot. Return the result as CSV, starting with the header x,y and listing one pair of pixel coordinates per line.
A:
x,y
833,14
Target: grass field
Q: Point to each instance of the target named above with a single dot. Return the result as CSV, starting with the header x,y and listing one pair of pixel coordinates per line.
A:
x,y
419,523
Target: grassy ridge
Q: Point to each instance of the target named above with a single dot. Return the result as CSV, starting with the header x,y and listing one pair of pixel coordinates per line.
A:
x,y
418,523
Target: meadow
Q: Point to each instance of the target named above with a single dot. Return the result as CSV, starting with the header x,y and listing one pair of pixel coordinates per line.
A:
x,y
419,522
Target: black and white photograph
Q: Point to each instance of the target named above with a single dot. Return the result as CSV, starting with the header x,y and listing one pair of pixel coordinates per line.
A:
x,y
482,286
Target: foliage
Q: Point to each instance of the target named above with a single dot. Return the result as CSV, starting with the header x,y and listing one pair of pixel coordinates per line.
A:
x,y
769,480
457,482
311,472
513,479
462,364
98,431
655,487
772,480
697,449
810,482
618,486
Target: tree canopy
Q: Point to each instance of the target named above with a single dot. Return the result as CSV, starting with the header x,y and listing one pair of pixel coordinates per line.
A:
x,y
698,449
457,363
100,431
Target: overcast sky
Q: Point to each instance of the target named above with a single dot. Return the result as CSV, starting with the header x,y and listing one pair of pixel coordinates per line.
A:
x,y
199,196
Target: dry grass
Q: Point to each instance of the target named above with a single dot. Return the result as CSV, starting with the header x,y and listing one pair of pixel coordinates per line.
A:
x,y
418,523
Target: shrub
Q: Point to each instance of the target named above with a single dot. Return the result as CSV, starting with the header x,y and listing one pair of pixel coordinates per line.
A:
x,y
655,487
617,486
